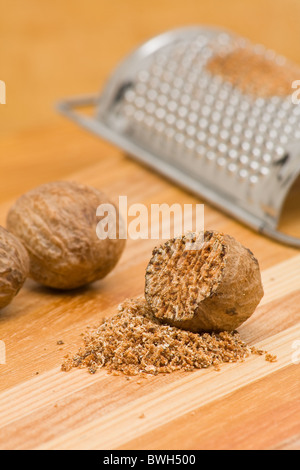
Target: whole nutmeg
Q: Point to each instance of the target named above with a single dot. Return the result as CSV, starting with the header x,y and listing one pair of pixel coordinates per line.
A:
x,y
213,288
57,224
14,267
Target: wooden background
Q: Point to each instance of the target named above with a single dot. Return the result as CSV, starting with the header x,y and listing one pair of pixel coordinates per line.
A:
x,y
50,50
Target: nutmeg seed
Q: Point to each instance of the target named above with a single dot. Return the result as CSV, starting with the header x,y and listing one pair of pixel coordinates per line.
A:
x,y
57,224
214,288
14,267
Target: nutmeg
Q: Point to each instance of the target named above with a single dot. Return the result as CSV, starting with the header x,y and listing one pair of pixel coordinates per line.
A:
x,y
14,267
57,224
216,287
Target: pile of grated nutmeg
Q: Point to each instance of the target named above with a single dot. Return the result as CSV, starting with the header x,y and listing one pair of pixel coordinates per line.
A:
x,y
134,342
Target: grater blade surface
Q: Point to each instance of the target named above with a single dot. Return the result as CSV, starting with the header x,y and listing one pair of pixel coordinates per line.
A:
x,y
164,107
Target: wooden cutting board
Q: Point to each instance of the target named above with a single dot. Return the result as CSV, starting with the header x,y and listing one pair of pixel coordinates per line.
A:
x,y
249,405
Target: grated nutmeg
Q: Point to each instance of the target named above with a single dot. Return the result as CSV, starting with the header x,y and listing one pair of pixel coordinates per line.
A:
x,y
134,342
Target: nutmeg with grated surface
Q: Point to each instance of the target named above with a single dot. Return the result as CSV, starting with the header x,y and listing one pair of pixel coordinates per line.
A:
x,y
214,288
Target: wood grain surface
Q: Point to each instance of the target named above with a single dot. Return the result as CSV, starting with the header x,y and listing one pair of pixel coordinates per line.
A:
x,y
249,405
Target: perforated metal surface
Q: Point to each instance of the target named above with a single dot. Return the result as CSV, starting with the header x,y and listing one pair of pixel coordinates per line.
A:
x,y
179,109
165,107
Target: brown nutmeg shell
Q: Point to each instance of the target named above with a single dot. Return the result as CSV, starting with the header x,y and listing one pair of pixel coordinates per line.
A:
x,y
57,224
14,267
214,288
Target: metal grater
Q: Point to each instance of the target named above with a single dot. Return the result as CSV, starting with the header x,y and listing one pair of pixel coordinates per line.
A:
x,y
163,107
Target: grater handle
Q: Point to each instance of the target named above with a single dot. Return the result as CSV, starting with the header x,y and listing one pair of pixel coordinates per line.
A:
x,y
280,236
67,107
